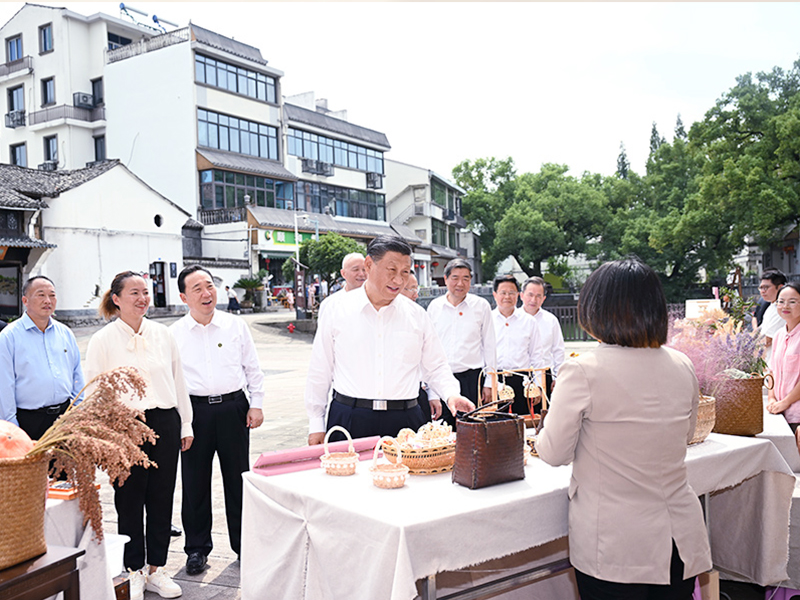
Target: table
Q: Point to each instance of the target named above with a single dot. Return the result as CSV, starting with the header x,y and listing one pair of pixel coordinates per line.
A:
x,y
321,537
63,526
777,430
36,579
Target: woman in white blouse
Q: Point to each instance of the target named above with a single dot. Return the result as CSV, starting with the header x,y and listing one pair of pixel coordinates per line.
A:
x,y
131,340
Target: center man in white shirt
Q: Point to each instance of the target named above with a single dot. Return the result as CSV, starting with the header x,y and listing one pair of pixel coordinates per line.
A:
x,y
464,324
374,346
551,338
219,361
518,344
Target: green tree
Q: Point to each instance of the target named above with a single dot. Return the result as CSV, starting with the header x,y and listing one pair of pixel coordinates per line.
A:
x,y
623,164
325,256
655,140
680,131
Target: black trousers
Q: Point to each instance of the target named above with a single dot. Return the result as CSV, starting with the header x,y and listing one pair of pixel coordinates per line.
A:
x,y
424,403
365,422
591,588
36,422
151,491
219,429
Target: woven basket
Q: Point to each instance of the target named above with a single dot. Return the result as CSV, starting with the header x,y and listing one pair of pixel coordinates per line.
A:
x,y
706,417
23,494
424,461
339,463
387,476
740,406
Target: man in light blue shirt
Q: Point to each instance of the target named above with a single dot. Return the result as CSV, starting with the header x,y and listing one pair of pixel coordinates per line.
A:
x,y
40,363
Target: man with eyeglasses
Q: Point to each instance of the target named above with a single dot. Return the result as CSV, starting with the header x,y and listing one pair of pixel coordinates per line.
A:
x,y
517,337
550,337
40,363
772,280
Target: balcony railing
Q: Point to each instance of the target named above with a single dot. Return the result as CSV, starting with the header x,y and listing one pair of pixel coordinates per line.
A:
x,y
223,215
26,62
65,111
14,119
142,47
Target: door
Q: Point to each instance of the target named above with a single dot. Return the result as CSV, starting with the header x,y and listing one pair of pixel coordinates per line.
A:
x,y
157,272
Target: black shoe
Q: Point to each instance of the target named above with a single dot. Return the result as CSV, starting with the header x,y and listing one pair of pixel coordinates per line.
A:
x,y
195,563
175,531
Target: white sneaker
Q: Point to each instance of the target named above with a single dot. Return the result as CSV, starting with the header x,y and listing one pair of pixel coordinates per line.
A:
x,y
162,584
136,583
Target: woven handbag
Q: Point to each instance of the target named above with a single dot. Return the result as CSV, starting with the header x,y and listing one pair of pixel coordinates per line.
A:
x,y
23,494
740,406
489,448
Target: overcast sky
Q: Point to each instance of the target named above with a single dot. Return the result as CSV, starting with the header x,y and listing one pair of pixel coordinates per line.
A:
x,y
540,82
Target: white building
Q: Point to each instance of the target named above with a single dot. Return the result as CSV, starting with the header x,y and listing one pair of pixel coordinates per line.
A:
x,y
430,206
53,84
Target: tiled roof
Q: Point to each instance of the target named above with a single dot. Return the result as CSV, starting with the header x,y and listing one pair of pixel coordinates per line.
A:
x,y
278,217
21,187
248,164
311,117
407,234
192,224
24,242
215,40
10,198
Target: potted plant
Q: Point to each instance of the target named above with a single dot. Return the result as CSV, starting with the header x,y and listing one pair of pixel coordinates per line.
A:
x,y
249,285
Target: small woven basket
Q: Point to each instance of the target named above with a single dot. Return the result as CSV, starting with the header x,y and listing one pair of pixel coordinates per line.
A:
x,y
339,463
23,494
423,461
388,476
706,417
740,405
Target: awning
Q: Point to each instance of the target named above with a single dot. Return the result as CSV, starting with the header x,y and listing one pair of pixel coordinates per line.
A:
x,y
239,162
276,254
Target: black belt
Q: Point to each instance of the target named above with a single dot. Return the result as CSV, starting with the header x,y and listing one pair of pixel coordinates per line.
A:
x,y
374,404
216,399
54,409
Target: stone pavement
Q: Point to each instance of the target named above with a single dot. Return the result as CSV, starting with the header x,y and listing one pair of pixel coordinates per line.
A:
x,y
284,357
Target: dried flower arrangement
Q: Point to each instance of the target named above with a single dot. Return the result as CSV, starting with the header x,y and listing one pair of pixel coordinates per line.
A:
x,y
719,346
100,432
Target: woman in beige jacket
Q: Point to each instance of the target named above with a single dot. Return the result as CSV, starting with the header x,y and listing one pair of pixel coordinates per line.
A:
x,y
623,415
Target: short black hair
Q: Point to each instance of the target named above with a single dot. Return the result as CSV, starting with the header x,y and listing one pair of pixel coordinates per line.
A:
x,y
382,244
776,276
188,271
623,303
27,285
504,279
535,281
791,284
457,263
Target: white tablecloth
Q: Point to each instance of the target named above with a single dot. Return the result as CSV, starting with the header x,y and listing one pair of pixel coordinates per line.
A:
x,y
63,526
319,537
777,431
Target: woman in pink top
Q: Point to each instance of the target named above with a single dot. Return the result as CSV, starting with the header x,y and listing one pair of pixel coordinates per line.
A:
x,y
785,364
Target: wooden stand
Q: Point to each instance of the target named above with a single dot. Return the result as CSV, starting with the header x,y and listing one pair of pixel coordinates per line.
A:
x,y
39,578
530,371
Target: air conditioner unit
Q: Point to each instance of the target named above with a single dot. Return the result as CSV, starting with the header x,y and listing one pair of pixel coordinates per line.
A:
x,y
83,100
48,165
325,169
309,165
374,181
15,118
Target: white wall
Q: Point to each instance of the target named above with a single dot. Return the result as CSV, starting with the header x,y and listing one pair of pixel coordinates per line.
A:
x,y
106,226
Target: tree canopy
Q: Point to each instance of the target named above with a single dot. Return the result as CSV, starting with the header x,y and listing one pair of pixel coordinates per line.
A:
x,y
324,256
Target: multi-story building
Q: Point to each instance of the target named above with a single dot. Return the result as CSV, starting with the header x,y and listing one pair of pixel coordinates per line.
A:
x,y
52,82
430,206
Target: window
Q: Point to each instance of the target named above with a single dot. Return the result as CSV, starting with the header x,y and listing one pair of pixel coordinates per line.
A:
x,y
225,189
451,237
14,48
341,154
438,193
115,41
340,201
97,91
215,130
438,233
234,79
19,155
46,38
51,148
100,147
10,223
48,91
16,99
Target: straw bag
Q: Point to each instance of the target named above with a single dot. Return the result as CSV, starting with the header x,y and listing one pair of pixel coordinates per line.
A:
x,y
740,406
23,494
489,448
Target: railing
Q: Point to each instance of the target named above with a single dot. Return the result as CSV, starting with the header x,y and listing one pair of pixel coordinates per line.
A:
x,y
26,62
142,47
65,111
16,118
223,215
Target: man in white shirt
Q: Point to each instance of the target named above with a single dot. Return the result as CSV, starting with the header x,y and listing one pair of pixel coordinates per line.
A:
x,y
772,280
517,336
374,346
354,275
219,361
464,324
550,337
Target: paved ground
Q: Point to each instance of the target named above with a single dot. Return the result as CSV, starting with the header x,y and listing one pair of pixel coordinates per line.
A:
x,y
284,358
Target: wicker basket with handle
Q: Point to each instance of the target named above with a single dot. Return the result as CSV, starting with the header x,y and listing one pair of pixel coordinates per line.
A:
x,y
23,494
423,461
339,463
740,405
706,417
388,476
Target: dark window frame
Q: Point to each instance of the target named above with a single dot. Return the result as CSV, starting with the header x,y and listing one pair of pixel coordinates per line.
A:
x,y
99,147
51,148
97,84
52,101
231,78
45,39
226,189
9,40
225,132
12,105
305,144
13,158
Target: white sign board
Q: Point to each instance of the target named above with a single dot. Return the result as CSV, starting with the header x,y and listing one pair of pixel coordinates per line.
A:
x,y
695,308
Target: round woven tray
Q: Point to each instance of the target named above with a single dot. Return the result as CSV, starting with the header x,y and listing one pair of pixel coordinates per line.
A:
x,y
339,463
387,476
425,461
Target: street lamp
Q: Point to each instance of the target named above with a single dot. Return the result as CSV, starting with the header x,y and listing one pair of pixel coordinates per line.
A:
x,y
308,219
